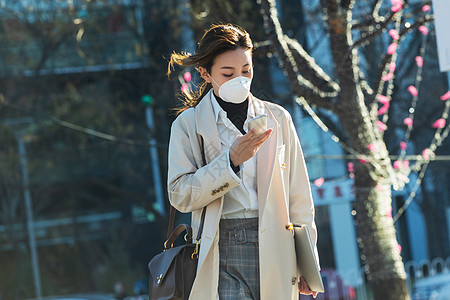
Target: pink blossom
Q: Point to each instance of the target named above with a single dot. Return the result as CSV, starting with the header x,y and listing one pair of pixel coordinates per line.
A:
x,y
363,161
392,66
408,122
403,145
184,88
446,96
426,8
392,48
423,29
402,177
419,61
399,248
426,154
389,213
387,77
397,7
350,167
397,164
439,123
396,2
412,89
383,99
373,148
381,125
319,181
187,76
405,164
394,34
383,109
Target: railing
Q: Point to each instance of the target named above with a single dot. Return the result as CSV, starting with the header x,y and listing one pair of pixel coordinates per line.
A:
x,y
342,290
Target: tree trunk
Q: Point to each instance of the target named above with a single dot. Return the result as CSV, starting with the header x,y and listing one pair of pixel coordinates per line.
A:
x,y
379,250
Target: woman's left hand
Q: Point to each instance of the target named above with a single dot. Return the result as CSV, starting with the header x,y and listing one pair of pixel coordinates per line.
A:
x,y
304,289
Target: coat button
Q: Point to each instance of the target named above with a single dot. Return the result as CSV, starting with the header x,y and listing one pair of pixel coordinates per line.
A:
x,y
294,280
283,167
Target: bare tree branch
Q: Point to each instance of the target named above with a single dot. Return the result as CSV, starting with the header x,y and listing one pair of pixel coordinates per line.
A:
x,y
376,27
388,57
301,86
310,70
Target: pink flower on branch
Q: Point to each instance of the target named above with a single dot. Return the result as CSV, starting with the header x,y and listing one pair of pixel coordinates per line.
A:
x,y
184,88
426,154
405,164
383,109
394,34
381,126
373,148
350,167
439,123
387,77
392,48
389,213
403,145
397,164
426,8
187,76
396,7
419,61
408,122
392,66
383,99
413,91
319,181
423,29
446,96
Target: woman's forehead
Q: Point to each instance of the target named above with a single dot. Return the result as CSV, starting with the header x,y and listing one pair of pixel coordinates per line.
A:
x,y
239,57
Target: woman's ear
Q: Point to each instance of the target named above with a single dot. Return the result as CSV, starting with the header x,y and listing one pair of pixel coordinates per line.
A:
x,y
204,74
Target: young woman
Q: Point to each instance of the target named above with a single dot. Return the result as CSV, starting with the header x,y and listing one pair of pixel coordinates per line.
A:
x,y
252,185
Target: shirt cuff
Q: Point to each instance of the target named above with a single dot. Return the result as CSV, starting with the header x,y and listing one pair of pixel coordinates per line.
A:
x,y
233,171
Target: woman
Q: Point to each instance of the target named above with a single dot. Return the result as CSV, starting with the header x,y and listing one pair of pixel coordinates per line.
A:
x,y
252,184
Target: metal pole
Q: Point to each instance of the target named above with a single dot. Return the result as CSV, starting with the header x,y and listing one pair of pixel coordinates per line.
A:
x,y
155,163
448,79
29,212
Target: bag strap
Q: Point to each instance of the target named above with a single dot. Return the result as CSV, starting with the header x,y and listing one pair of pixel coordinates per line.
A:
x,y
173,210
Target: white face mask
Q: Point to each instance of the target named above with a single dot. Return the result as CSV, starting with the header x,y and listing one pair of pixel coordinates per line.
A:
x,y
235,90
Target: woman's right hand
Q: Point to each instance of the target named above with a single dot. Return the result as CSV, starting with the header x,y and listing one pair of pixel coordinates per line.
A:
x,y
246,146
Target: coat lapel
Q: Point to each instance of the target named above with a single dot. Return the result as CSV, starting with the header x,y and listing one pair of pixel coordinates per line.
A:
x,y
207,128
265,157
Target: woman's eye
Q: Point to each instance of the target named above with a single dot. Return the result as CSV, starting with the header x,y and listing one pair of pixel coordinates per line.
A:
x,y
226,75
246,72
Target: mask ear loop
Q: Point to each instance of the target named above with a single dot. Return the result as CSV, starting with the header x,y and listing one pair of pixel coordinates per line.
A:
x,y
213,80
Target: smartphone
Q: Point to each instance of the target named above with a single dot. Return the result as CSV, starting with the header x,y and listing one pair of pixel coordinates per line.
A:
x,y
259,123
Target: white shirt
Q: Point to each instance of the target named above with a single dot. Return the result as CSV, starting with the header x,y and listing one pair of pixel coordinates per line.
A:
x,y
241,201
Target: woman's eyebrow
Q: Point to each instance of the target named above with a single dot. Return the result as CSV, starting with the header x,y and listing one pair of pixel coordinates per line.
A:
x,y
228,67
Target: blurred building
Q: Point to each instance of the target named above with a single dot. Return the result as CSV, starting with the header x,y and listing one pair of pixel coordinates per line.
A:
x,y
90,195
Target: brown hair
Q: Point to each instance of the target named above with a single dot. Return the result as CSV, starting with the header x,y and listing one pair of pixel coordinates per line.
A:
x,y
216,40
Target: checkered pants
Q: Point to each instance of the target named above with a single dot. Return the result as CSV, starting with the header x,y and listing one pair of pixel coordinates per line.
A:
x,y
239,259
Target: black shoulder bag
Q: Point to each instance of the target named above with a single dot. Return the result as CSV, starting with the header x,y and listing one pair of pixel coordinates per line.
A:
x,y
172,272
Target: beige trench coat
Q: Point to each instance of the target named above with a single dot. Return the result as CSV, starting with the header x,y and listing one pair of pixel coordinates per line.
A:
x,y
284,195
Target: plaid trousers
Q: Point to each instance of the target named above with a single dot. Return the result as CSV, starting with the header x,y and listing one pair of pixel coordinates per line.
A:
x,y
239,259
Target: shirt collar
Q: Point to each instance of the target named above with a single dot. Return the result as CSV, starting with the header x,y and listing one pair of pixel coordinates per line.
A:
x,y
217,109
216,106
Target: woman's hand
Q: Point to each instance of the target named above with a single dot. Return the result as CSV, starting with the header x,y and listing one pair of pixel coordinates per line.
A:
x,y
304,289
246,146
